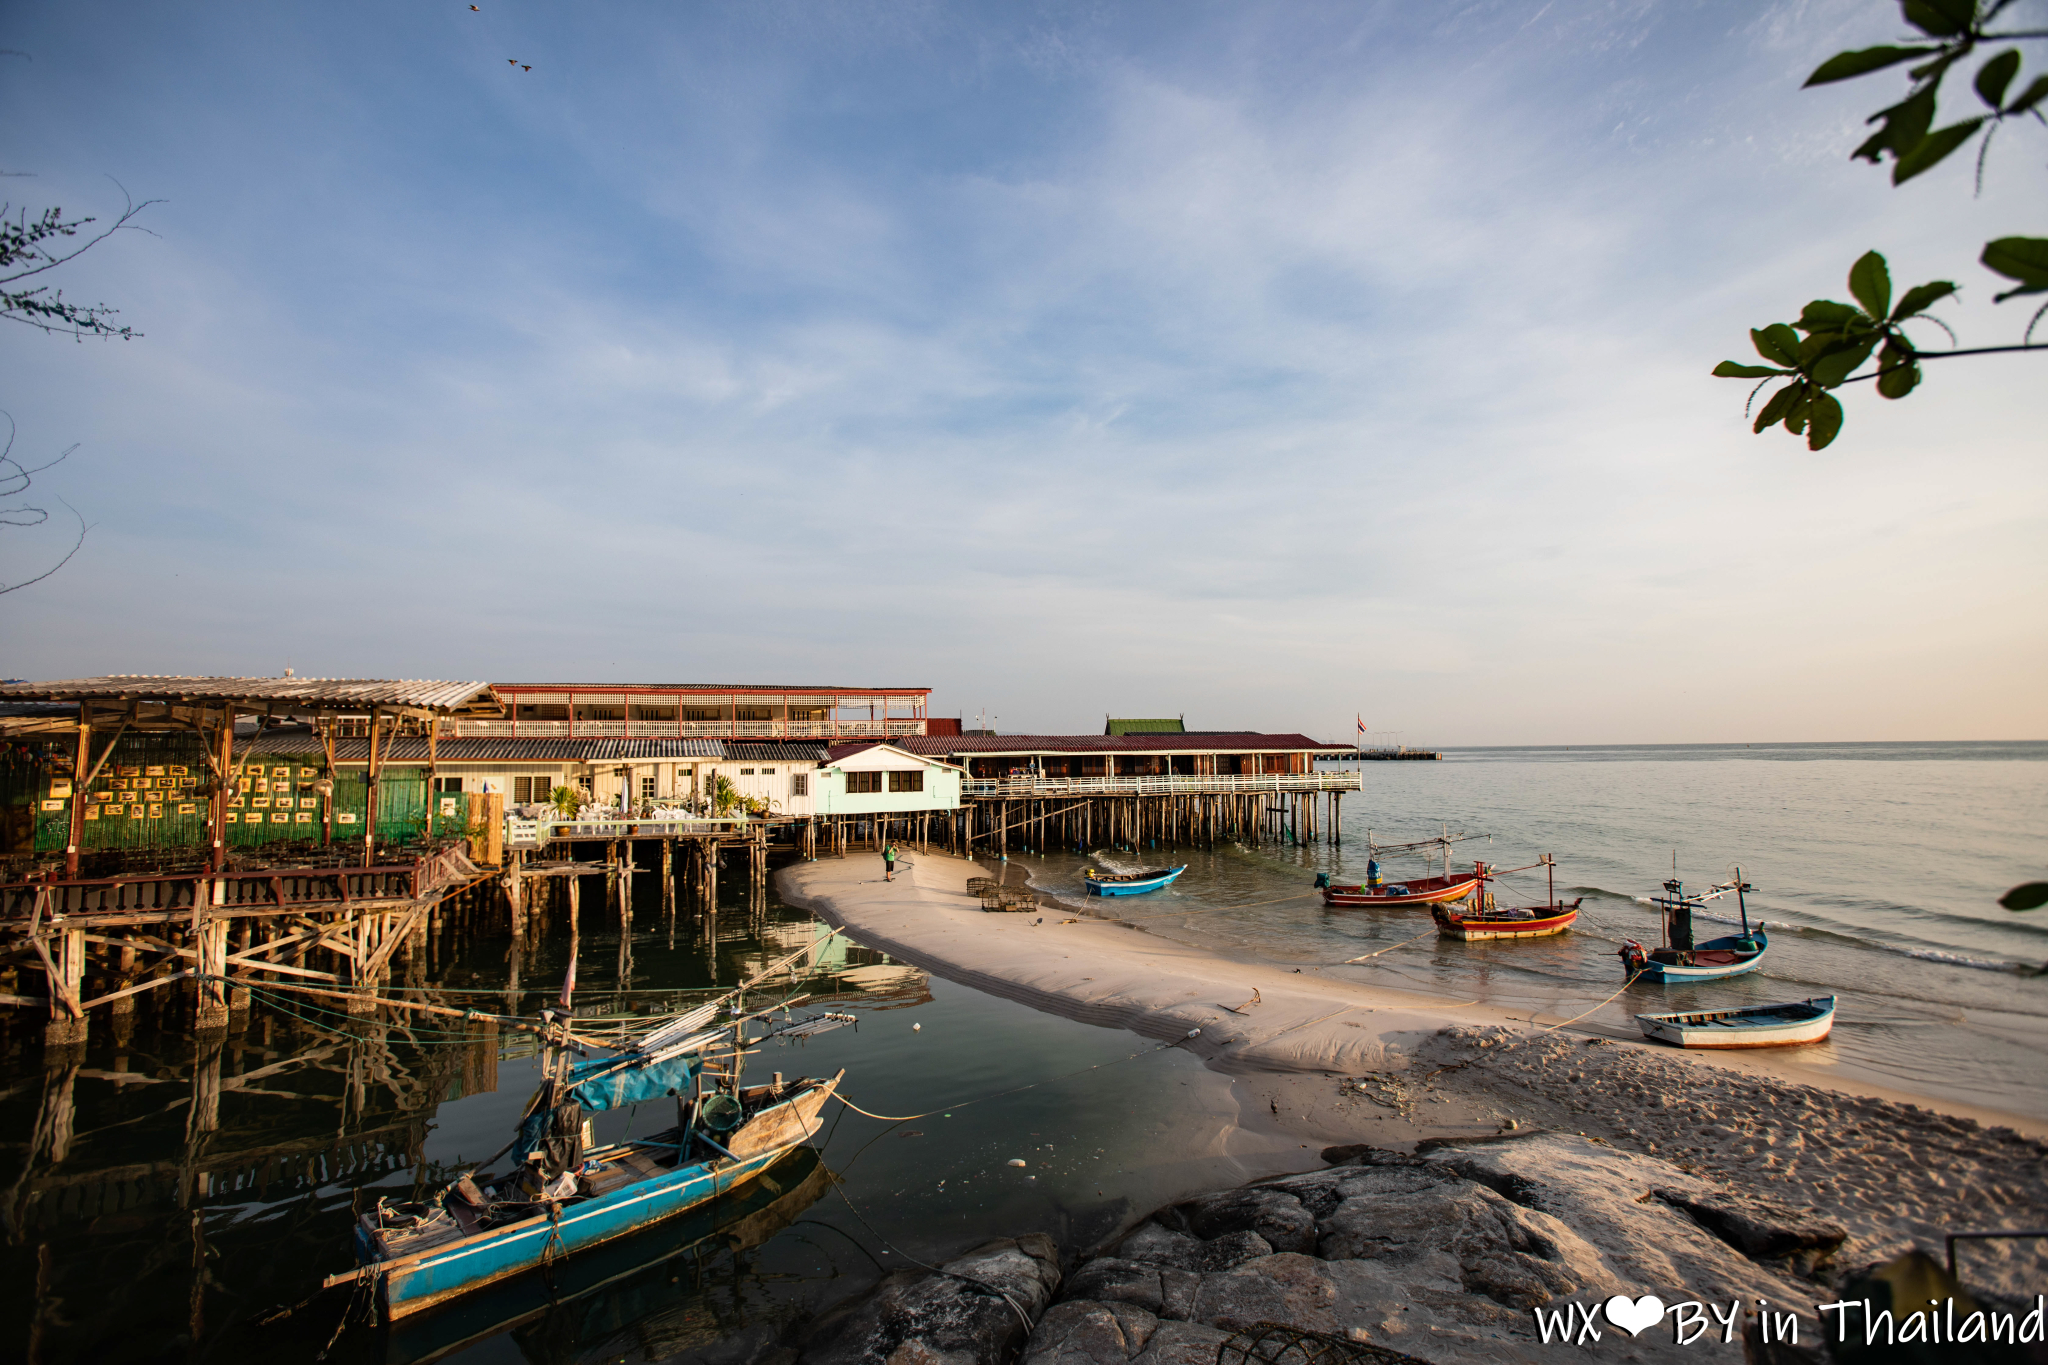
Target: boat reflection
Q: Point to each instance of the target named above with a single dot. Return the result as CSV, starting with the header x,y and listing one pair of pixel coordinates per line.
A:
x,y
682,1283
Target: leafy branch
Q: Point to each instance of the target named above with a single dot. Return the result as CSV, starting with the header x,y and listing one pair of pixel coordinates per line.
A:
x,y
1839,337
31,246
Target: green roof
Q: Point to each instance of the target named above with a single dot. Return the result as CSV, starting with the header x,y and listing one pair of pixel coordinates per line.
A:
x,y
1172,725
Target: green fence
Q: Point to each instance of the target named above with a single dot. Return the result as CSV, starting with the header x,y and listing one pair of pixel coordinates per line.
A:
x,y
154,793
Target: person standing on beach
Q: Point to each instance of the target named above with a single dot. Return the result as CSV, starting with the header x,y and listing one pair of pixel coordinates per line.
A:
x,y
889,863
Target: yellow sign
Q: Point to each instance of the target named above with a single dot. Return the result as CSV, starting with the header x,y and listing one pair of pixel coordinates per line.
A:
x,y
304,818
156,812
60,786
179,770
188,808
92,812
156,770
136,812
233,818
280,819
53,805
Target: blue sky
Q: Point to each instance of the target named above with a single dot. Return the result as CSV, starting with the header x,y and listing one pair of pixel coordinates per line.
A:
x,y
1263,363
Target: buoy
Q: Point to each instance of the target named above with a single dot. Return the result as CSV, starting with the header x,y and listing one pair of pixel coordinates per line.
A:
x,y
917,1028
1015,1162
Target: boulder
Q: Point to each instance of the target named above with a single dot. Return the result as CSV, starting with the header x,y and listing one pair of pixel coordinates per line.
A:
x,y
976,1313
1182,1343
1079,1332
1274,1214
1285,1287
1156,1245
1758,1227
1164,1291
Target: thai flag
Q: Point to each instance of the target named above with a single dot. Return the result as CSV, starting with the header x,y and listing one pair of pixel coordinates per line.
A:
x,y
1361,727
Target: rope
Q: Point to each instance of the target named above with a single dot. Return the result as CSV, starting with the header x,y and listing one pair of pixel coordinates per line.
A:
x,y
1576,1017
1402,944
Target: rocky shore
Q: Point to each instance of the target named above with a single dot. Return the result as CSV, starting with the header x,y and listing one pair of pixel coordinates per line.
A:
x,y
1487,1168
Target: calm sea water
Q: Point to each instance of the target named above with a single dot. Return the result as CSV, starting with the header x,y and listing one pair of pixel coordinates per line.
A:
x,y
1878,868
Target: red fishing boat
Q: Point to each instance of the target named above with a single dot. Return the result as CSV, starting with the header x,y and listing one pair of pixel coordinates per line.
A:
x,y
1486,920
1414,891
1397,894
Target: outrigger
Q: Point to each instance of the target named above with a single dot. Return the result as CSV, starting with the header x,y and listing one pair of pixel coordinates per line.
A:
x,y
1680,959
563,1193
1488,921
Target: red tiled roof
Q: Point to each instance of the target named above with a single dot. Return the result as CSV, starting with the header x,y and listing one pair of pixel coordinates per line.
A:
x,y
1219,743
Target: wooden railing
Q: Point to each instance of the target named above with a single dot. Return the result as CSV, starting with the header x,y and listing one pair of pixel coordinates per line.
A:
x,y
1178,784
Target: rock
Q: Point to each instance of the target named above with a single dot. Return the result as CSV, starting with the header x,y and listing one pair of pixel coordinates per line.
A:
x,y
1230,1250
958,1318
1155,1245
1273,1214
1079,1332
1182,1343
1161,1290
1138,1324
1758,1227
1285,1287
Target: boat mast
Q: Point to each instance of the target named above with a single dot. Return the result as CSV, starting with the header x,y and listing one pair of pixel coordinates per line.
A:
x,y
1740,887
1550,878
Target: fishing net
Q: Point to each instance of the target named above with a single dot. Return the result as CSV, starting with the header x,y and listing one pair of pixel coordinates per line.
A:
x,y
1272,1343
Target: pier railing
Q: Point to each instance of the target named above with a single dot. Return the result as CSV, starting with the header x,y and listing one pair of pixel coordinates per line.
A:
x,y
681,729
1178,784
521,832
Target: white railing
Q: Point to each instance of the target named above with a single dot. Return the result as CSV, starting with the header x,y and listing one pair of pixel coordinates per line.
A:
x,y
521,832
1218,784
683,729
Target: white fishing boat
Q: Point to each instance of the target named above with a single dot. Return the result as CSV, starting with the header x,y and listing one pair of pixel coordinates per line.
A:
x,y
1787,1025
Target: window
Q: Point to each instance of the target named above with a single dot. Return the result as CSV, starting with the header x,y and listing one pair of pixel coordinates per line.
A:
x,y
907,782
528,791
447,784
857,783
542,711
646,789
700,713
746,772
600,713
800,784
754,713
653,713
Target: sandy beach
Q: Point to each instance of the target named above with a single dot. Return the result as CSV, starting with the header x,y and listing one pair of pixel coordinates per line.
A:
x,y
1336,1063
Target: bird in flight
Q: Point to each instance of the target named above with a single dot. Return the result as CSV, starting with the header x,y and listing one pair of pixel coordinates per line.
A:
x,y
524,67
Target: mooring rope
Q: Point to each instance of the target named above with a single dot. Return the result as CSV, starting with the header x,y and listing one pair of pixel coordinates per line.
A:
x,y
1390,948
1576,1017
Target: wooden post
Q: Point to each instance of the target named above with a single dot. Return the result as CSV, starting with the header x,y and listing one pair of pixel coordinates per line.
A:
x,y
370,780
210,941
66,988
575,908
80,770
668,879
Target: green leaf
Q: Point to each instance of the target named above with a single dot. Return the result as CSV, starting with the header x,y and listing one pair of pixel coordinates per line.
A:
x,y
1920,296
1871,282
1841,361
1939,18
1904,125
1899,373
2017,258
2030,97
1780,403
1996,74
1827,422
1825,315
1730,369
2026,896
1932,148
1778,342
1844,65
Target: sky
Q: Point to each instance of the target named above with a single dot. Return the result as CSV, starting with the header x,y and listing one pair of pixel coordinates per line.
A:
x,y
1268,364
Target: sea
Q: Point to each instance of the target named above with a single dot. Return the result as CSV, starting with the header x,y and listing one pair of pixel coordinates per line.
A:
x,y
1877,868
172,1201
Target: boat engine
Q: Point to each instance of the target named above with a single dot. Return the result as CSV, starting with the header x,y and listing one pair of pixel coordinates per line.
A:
x,y
1633,958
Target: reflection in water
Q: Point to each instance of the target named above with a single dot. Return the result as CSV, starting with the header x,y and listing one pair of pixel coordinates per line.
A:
x,y
172,1202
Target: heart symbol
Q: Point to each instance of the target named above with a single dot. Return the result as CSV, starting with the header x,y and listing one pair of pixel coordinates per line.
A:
x,y
1633,1315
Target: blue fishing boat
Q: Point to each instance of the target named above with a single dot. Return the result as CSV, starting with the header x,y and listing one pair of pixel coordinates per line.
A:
x,y
1130,883
563,1194
1680,959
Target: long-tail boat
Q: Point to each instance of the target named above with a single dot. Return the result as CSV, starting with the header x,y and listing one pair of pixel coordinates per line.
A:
x,y
1787,1025
1129,883
563,1193
1486,920
1680,959
1414,891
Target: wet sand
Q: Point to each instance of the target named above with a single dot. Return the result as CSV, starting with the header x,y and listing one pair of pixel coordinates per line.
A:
x,y
1336,1062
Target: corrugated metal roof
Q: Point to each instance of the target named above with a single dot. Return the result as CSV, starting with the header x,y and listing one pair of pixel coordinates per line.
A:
x,y
777,688
748,751
1170,725
1241,742
322,694
413,749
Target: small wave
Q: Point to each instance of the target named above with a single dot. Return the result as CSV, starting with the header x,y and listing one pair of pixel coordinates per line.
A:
x,y
1980,964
